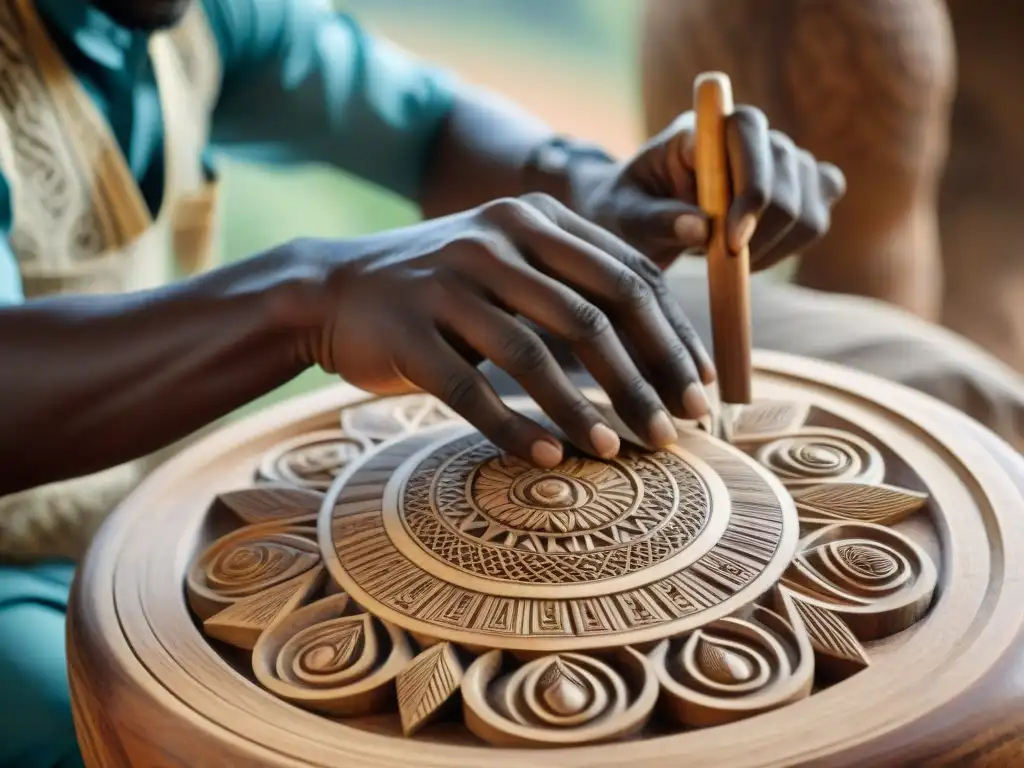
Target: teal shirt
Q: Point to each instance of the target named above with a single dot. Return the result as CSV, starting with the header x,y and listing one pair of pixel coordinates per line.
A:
x,y
301,84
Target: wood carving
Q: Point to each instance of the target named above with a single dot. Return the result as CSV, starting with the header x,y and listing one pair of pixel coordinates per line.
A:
x,y
561,606
426,684
773,602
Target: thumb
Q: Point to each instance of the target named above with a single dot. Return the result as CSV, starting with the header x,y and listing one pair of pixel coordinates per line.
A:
x,y
661,223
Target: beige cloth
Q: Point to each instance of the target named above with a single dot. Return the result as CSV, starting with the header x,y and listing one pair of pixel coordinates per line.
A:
x,y
876,338
81,225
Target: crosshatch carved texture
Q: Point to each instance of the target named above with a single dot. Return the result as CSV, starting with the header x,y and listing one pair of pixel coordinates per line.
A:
x,y
559,606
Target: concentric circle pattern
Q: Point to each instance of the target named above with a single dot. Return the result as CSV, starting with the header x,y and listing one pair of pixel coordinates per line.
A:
x,y
453,540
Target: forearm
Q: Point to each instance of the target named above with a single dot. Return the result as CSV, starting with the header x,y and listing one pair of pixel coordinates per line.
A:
x,y
481,154
89,382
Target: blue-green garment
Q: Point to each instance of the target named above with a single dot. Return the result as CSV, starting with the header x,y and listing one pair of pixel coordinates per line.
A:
x,y
301,84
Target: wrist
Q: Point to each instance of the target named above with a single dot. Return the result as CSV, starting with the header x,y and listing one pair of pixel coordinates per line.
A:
x,y
282,295
567,170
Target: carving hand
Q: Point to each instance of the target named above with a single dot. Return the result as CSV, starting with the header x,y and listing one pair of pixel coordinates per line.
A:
x,y
417,308
651,200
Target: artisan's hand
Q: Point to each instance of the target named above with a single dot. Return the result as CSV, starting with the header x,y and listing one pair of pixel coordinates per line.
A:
x,y
782,197
417,308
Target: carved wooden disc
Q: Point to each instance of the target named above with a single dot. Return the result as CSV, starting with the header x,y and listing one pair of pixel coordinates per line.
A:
x,y
345,580
450,539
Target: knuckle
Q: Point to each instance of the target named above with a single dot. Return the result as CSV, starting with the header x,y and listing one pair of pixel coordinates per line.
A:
x,y
632,290
636,388
588,322
678,355
781,142
751,116
643,267
580,409
458,392
543,202
807,160
482,246
523,356
507,211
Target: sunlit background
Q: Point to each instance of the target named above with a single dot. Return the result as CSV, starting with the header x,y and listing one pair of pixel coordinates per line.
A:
x,y
571,61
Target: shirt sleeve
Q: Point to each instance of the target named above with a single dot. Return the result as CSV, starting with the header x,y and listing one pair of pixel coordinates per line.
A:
x,y
10,278
306,84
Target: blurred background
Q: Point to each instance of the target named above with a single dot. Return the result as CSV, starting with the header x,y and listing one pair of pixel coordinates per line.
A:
x,y
573,62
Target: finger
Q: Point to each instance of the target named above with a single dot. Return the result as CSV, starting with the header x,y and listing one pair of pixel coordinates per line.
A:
x,y
750,168
783,210
813,220
518,351
563,312
634,260
660,223
632,302
431,364
833,183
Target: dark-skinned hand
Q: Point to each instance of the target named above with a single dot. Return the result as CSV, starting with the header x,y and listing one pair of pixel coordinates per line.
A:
x,y
416,309
782,196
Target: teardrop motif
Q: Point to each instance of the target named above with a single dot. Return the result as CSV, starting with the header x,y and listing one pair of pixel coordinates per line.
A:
x,y
563,693
336,648
722,664
869,562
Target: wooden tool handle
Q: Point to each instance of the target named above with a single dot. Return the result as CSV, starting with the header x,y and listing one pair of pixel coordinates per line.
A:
x,y
728,272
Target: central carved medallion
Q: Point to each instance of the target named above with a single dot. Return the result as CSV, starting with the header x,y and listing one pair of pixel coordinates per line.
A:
x,y
459,542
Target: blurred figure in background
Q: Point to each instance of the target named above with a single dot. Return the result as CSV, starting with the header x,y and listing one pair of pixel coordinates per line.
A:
x,y
916,101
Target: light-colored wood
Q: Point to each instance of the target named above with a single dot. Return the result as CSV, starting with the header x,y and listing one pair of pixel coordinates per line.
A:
x,y
728,272
849,572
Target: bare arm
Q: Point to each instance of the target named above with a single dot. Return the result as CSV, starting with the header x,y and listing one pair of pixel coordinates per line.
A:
x,y
89,382
487,149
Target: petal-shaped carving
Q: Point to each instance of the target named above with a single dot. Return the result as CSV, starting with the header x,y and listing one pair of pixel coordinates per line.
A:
x,y
764,419
426,684
326,658
242,623
858,502
248,562
313,460
735,668
817,455
272,504
559,700
838,653
874,578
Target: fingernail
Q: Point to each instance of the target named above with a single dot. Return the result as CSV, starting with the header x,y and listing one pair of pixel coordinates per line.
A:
x,y
546,453
663,431
708,373
604,440
695,401
744,232
690,230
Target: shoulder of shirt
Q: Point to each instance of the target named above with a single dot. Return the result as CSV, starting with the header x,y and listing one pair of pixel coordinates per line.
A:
x,y
245,30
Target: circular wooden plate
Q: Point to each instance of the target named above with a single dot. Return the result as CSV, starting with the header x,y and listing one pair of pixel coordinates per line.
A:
x,y
841,587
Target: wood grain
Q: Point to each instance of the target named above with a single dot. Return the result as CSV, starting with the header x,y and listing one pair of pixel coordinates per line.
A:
x,y
728,272
945,691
